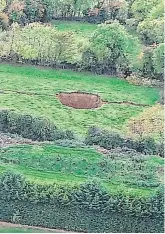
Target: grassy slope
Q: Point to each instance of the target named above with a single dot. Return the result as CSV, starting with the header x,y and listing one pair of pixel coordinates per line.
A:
x,y
49,82
76,165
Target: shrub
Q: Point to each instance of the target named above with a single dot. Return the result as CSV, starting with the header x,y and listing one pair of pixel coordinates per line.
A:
x,y
86,208
2,5
103,138
148,123
29,11
16,11
13,185
29,127
108,140
150,65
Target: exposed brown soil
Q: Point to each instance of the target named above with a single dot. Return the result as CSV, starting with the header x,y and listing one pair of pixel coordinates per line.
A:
x,y
79,100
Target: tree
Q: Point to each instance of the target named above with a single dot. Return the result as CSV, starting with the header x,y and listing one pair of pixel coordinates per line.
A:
x,y
151,31
114,46
141,8
157,12
116,9
2,5
4,21
42,43
158,59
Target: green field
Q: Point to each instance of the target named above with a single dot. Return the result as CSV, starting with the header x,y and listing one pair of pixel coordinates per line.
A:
x,y
65,165
46,83
80,28
32,90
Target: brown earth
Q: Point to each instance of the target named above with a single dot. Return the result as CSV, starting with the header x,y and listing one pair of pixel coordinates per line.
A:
x,y
79,100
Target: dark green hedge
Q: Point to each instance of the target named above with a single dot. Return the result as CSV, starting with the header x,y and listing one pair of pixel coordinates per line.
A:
x,y
86,208
30,127
71,219
110,140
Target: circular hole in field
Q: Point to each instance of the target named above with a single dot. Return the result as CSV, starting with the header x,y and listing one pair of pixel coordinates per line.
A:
x,y
79,100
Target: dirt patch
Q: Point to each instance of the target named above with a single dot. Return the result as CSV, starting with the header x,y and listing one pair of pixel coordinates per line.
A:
x,y
79,100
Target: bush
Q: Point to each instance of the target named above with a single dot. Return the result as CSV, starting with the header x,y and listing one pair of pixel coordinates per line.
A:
x,y
148,123
108,140
141,9
87,208
103,138
29,11
29,127
150,65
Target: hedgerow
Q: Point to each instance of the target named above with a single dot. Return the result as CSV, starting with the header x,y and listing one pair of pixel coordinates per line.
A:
x,y
111,140
31,127
87,207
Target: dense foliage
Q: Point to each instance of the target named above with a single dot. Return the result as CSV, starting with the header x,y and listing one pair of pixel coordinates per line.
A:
x,y
79,208
151,31
149,122
30,127
110,140
40,43
112,50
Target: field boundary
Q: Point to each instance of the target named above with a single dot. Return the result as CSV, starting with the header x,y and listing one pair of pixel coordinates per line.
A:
x,y
54,95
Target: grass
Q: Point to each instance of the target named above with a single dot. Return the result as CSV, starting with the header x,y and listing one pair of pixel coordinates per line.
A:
x,y
22,230
64,165
48,82
80,28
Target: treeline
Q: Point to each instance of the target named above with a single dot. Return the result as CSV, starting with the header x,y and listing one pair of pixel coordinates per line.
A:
x,y
116,53
111,49
87,208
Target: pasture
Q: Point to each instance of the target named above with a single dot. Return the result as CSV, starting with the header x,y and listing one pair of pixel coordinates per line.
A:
x,y
48,163
33,91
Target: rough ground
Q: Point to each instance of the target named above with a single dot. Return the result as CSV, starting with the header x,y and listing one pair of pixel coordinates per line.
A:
x,y
79,100
12,139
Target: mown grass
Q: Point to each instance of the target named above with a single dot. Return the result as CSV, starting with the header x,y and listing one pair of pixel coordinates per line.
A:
x,y
48,82
73,166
